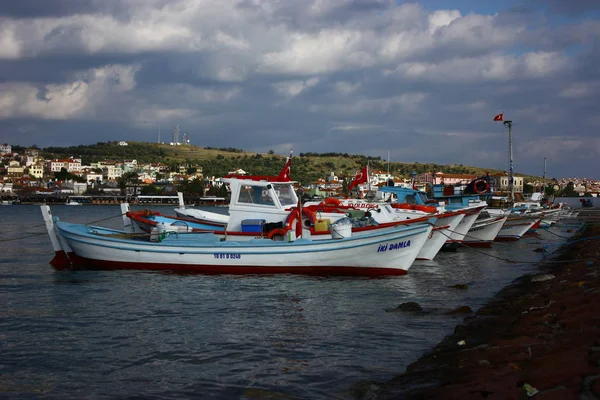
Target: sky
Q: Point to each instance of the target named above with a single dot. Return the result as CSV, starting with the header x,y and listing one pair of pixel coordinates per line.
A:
x,y
413,81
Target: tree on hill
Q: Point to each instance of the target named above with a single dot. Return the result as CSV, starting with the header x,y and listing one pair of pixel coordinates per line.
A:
x,y
64,175
569,191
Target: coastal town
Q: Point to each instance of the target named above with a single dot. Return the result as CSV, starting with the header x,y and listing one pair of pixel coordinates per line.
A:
x,y
27,174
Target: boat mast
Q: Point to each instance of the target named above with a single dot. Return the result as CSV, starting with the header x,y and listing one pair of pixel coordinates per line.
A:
x,y
511,185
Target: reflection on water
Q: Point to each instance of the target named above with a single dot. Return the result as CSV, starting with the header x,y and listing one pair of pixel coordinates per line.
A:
x,y
135,333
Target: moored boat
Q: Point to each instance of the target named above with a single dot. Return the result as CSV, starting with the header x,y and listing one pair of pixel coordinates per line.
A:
x,y
379,252
516,226
388,211
484,230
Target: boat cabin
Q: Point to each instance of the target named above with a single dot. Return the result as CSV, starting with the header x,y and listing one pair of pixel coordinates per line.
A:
x,y
263,202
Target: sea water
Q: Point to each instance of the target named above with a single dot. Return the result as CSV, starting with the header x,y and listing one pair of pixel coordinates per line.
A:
x,y
107,334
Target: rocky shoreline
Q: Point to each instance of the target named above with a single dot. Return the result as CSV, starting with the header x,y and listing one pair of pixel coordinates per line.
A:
x,y
538,338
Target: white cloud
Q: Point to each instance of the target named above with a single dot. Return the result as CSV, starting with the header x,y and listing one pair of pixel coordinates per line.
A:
x,y
294,88
579,90
441,18
345,87
69,100
59,101
489,68
330,66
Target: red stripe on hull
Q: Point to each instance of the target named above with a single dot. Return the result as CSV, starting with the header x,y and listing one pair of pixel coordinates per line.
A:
x,y
535,226
82,263
61,260
506,239
478,244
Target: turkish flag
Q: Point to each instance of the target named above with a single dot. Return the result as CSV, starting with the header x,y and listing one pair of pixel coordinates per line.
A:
x,y
499,117
361,177
284,175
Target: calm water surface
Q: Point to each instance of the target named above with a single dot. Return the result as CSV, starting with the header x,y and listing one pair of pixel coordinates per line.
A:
x,y
117,334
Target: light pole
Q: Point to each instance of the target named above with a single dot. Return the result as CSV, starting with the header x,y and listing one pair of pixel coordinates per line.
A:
x,y
510,161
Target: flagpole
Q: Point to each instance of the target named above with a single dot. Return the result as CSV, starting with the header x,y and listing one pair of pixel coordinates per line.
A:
x,y
368,180
511,185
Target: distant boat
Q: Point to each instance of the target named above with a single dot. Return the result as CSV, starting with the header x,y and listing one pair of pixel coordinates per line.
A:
x,y
72,203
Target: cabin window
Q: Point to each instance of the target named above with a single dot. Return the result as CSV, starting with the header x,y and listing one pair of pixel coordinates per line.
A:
x,y
256,195
287,196
422,198
249,194
410,199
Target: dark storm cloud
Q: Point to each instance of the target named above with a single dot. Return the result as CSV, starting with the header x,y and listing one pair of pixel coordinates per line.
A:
x,y
355,77
63,8
571,7
46,8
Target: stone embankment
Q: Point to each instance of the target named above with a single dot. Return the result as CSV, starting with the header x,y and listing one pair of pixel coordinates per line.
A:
x,y
538,338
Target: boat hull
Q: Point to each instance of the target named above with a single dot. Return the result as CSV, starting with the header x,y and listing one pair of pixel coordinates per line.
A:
x,y
388,252
445,225
483,234
514,228
458,235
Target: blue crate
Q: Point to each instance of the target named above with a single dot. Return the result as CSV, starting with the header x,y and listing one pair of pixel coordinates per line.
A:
x,y
252,225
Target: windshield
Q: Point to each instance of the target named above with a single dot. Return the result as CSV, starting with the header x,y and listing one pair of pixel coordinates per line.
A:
x,y
286,194
255,195
422,197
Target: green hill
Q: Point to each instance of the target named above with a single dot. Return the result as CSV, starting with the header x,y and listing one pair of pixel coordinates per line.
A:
x,y
306,167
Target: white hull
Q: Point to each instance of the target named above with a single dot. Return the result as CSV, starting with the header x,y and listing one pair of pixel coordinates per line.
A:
x,y
464,225
201,215
483,233
382,252
515,227
439,236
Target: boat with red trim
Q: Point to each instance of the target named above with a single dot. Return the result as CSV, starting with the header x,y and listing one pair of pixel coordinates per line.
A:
x,y
391,204
377,252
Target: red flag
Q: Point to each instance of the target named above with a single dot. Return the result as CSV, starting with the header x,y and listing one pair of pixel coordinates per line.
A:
x,y
499,117
284,175
361,177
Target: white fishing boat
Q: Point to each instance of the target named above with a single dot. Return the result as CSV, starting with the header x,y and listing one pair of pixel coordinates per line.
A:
x,y
216,219
516,226
472,205
221,219
384,212
379,252
484,229
268,208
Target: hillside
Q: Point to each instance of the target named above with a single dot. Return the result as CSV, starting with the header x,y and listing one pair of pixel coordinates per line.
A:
x,y
306,167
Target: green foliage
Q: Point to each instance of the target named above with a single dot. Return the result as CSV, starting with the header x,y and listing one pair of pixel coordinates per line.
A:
x,y
226,149
195,187
306,168
151,189
143,152
568,191
64,175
